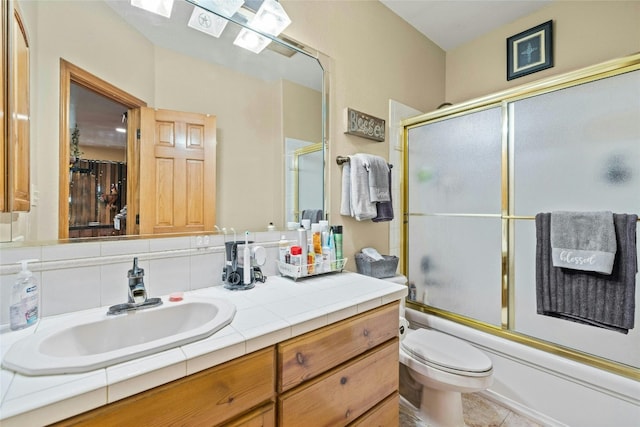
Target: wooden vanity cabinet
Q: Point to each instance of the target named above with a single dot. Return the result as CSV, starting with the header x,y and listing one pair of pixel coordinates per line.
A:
x,y
242,388
344,373
334,375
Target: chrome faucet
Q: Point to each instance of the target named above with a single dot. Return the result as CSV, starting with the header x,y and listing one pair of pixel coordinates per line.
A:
x,y
137,293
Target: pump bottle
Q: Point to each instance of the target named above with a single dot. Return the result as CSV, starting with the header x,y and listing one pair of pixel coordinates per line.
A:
x,y
24,308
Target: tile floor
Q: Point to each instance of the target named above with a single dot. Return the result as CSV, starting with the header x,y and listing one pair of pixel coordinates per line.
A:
x,y
478,412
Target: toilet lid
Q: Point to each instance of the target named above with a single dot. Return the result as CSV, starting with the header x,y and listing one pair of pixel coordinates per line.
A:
x,y
445,352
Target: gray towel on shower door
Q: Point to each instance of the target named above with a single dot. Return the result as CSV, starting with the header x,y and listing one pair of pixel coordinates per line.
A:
x,y
588,297
583,240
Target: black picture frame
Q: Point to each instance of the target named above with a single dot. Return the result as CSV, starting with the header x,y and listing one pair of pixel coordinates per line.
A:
x,y
530,51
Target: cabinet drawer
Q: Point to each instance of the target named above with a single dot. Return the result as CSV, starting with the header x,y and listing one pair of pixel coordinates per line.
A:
x,y
207,398
261,417
345,393
386,414
309,355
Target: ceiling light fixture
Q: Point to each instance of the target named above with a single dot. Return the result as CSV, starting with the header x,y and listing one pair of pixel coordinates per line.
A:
x,y
251,40
270,19
159,7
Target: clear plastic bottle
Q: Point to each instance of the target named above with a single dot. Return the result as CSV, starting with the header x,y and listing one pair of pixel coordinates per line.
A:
x,y
24,308
316,238
311,259
283,248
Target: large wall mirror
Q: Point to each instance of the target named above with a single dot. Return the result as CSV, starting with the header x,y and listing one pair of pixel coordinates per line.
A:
x,y
260,101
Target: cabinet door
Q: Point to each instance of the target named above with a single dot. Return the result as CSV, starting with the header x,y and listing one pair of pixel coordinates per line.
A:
x,y
208,398
345,393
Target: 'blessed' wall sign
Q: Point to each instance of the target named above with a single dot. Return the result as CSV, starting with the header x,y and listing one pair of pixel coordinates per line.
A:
x,y
364,125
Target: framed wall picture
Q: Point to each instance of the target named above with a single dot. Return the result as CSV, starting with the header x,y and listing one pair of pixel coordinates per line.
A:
x,y
530,51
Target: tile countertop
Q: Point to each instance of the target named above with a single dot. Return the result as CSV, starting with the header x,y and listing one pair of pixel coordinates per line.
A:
x,y
272,312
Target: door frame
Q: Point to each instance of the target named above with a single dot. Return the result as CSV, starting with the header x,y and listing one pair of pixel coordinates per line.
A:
x,y
70,73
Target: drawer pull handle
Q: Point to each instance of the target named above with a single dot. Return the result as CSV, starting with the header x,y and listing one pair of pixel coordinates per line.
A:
x,y
366,333
300,358
343,380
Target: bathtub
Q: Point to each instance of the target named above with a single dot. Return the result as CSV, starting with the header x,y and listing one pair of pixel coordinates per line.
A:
x,y
552,390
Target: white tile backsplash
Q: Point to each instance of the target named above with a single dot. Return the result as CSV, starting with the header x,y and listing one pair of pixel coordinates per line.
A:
x,y
70,289
15,255
169,244
167,275
206,269
122,247
83,275
70,251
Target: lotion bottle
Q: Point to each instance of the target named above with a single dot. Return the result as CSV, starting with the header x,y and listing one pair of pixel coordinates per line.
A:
x,y
24,308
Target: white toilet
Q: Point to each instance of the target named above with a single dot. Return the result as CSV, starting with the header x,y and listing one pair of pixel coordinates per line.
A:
x,y
445,366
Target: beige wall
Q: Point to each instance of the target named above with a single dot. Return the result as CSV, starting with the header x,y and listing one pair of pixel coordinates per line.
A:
x,y
585,33
300,103
375,56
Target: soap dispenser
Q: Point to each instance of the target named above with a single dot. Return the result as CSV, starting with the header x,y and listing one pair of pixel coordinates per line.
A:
x,y
24,310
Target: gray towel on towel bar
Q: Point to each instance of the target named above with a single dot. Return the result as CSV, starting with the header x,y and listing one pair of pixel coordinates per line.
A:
x,y
583,241
385,209
584,296
378,175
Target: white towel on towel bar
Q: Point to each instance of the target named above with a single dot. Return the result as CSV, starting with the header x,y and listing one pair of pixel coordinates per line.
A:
x,y
355,190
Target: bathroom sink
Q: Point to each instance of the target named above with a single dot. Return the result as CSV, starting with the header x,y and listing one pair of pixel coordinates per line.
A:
x,y
99,340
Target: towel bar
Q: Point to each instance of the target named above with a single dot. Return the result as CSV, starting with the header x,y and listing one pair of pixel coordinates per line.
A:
x,y
340,160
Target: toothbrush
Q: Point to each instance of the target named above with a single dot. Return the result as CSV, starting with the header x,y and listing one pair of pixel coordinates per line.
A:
x,y
246,271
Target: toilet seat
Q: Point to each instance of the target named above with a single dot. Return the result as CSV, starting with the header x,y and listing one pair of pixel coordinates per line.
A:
x,y
446,353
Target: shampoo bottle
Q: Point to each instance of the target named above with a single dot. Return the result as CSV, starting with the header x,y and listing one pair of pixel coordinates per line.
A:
x,y
23,311
337,236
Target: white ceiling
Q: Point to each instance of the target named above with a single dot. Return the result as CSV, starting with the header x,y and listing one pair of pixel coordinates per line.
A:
x,y
450,23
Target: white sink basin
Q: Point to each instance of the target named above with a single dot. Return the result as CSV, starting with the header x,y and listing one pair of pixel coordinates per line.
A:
x,y
97,341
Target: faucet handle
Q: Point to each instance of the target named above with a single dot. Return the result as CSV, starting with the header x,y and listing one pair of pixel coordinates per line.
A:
x,y
135,271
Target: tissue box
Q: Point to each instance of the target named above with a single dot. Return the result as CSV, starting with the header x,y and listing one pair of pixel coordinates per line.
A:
x,y
379,269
